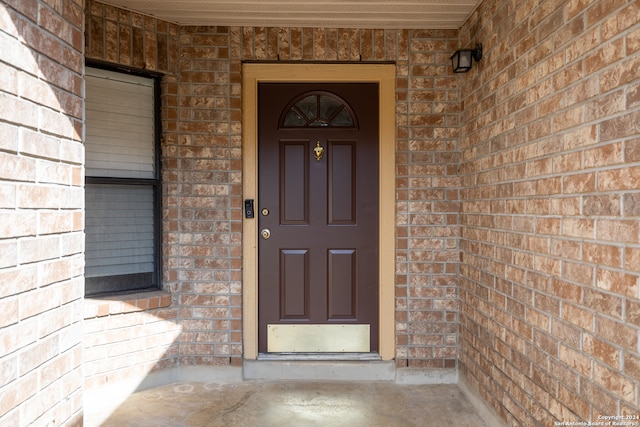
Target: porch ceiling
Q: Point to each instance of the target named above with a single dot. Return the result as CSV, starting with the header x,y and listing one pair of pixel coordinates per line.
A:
x,y
412,14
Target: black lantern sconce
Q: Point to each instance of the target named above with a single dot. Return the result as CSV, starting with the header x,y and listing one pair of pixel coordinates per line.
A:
x,y
461,60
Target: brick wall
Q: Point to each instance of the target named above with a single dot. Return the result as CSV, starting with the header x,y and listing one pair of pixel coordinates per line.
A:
x,y
427,202
120,36
129,337
207,151
550,271
528,164
41,211
203,171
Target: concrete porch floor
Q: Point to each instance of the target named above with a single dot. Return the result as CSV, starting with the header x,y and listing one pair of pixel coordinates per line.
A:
x,y
295,403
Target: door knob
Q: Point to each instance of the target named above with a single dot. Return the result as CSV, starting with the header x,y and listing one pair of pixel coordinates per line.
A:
x,y
265,233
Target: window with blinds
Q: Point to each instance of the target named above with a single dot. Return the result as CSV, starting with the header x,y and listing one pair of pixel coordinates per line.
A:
x,y
122,183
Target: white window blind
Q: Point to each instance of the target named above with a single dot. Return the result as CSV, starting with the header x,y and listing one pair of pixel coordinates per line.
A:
x,y
119,114
119,230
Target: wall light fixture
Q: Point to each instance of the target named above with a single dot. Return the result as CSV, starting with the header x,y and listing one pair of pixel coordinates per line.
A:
x,y
461,59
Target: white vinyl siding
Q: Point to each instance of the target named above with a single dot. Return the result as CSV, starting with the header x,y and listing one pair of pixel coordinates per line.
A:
x,y
120,192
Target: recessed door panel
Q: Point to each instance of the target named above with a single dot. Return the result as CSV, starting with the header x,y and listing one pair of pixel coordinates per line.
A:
x,y
342,183
294,182
342,284
294,284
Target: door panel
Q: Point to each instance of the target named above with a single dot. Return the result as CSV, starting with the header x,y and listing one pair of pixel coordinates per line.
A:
x,y
342,183
294,183
320,264
294,284
342,284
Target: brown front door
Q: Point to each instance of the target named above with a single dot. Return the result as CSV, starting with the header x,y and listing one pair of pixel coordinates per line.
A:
x,y
318,217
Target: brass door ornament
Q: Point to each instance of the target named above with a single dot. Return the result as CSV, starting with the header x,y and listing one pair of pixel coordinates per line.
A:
x,y
318,152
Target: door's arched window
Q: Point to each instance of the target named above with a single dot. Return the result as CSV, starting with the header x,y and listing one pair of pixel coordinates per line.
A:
x,y
318,109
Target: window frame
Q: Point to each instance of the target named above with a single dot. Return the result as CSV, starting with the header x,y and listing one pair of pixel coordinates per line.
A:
x,y
292,106
155,183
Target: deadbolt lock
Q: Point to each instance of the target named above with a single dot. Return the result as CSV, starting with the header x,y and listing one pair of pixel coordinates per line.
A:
x,y
265,233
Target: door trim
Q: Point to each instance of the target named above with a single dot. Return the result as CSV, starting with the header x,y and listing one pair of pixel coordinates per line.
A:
x,y
384,75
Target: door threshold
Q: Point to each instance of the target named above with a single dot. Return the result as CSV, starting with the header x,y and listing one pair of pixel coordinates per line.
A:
x,y
342,357
319,367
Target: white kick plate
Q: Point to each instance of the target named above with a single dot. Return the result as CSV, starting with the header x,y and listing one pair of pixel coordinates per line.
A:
x,y
318,338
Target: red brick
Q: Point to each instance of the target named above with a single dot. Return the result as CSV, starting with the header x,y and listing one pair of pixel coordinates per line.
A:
x,y
576,403
580,137
632,259
603,254
622,387
633,97
605,106
39,249
631,365
578,273
632,204
578,316
607,155
633,42
622,74
621,21
603,403
619,179
567,291
567,162
618,231
565,375
504,261
633,312
601,350
583,183
605,55
620,283
607,304
575,360
617,333
18,392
